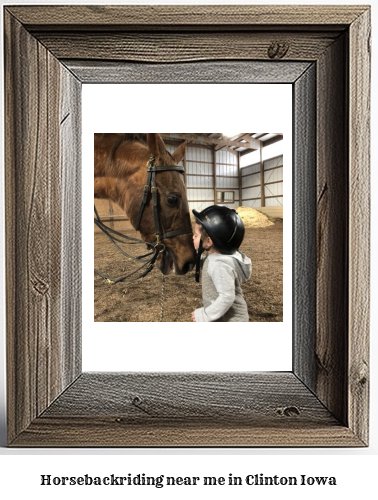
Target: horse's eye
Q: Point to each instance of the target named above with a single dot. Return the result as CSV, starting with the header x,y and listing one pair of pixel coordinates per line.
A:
x,y
172,200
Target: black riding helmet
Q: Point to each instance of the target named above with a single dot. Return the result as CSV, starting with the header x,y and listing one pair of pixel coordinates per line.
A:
x,y
224,226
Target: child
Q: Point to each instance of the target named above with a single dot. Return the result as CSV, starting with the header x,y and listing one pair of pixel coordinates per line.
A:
x,y
220,231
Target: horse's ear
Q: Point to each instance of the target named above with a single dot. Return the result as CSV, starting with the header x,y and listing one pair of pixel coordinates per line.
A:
x,y
156,145
179,154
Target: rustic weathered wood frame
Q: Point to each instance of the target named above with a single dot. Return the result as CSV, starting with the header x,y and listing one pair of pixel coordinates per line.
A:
x,y
49,52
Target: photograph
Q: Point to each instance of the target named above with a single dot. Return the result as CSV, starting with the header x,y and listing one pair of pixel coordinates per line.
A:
x,y
158,197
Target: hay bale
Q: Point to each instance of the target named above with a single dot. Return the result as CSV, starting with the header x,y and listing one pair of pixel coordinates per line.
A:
x,y
253,218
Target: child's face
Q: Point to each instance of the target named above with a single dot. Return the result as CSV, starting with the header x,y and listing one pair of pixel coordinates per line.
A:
x,y
196,236
206,243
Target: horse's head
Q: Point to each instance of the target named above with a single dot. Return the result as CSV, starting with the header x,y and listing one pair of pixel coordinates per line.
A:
x,y
120,175
173,210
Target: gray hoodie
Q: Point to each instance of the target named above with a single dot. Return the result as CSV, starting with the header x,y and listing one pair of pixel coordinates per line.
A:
x,y
222,295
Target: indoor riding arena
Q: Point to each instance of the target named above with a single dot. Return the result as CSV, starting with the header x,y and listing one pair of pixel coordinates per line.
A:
x,y
241,171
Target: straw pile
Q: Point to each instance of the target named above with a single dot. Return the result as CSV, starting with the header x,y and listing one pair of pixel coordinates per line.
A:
x,y
253,218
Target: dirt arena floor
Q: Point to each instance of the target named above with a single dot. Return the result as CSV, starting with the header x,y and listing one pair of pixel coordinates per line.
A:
x,y
142,300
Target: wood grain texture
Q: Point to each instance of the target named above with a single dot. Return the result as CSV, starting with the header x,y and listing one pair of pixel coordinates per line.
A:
x,y
185,47
324,402
186,410
331,351
304,228
199,72
359,225
100,432
217,396
184,16
34,240
70,160
31,189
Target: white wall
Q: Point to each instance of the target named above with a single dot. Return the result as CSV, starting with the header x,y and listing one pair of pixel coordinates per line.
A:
x,y
273,172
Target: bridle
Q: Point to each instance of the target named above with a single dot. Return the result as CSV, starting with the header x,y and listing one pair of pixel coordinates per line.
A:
x,y
156,247
150,187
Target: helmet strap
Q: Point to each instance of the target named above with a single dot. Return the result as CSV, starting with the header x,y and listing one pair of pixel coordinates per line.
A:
x,y
198,261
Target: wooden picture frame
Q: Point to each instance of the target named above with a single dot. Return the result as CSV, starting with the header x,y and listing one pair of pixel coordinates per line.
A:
x,y
324,52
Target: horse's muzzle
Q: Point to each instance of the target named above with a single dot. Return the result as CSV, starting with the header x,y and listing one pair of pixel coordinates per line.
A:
x,y
168,261
188,266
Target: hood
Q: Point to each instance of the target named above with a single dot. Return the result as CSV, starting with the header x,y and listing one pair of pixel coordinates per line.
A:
x,y
240,262
242,265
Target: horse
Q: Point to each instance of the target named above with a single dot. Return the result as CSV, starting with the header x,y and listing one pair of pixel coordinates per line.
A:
x,y
123,166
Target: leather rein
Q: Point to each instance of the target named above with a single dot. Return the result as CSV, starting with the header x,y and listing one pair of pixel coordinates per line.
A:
x,y
154,248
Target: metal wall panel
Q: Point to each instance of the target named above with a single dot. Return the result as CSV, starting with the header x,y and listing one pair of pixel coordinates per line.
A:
x,y
199,180
200,205
274,202
200,195
251,193
199,175
228,176
225,157
199,155
251,180
275,175
272,175
252,169
198,168
274,189
227,183
228,170
273,162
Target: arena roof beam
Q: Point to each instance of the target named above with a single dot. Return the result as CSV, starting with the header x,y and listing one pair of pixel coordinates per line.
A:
x,y
250,144
272,140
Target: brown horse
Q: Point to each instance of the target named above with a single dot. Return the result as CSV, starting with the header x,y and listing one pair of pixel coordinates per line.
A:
x,y
120,174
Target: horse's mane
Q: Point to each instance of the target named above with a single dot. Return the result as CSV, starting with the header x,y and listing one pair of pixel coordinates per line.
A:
x,y
134,137
141,138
